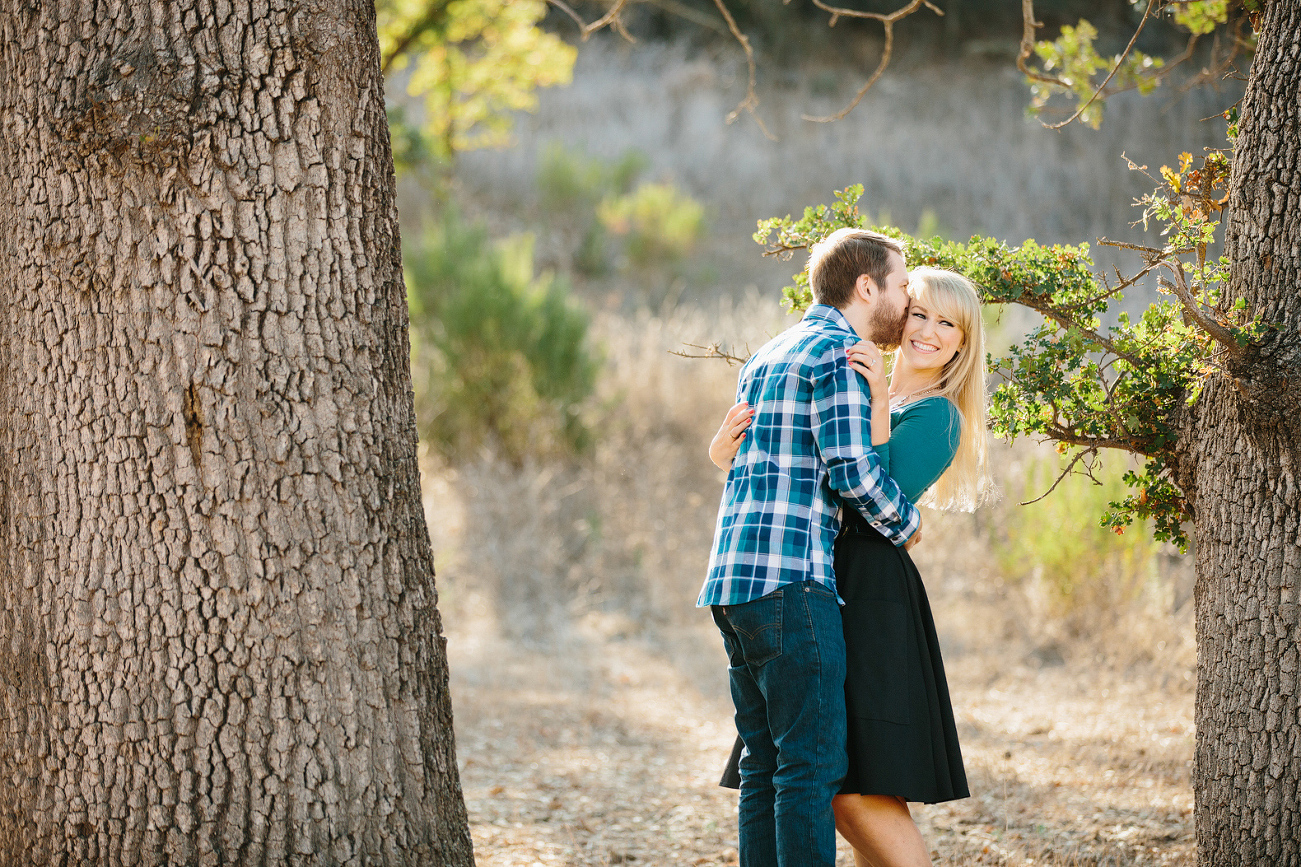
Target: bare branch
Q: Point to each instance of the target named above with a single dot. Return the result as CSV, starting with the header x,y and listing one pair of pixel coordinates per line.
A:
x,y
687,13
610,18
1110,391
713,350
1220,65
1158,252
1029,26
568,10
1147,13
1122,282
883,17
1168,68
1135,167
1066,472
783,251
1061,318
1168,259
887,21
1183,58
862,91
751,101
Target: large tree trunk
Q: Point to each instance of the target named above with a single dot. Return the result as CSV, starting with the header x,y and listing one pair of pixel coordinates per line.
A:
x,y
218,634
1246,456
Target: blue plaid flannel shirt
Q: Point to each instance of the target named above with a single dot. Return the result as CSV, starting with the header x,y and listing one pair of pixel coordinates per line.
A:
x,y
808,451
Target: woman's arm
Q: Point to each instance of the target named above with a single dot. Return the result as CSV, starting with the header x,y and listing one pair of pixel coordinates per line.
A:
x,y
727,442
865,358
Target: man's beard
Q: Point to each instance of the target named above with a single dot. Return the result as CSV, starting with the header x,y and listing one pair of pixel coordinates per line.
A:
x,y
883,330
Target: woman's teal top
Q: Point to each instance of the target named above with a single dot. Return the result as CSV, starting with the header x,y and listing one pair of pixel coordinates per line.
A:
x,y
924,437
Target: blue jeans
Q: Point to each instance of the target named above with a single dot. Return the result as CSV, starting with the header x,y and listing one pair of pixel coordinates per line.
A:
x,y
786,656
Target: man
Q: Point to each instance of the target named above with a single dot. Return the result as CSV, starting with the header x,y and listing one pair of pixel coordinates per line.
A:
x,y
770,583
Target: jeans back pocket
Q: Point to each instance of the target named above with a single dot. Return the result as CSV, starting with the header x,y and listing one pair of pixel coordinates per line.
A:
x,y
757,628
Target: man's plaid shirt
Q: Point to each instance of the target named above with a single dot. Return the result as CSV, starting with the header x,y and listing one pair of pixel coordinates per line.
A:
x,y
808,451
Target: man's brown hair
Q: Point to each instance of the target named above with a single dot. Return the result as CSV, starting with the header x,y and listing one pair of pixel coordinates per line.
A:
x,y
836,261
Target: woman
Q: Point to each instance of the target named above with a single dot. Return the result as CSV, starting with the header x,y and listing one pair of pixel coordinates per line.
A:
x,y
928,429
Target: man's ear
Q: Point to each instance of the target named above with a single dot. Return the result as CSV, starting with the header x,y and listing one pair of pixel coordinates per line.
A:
x,y
865,287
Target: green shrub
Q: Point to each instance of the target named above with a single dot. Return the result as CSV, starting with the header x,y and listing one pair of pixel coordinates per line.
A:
x,y
567,182
499,354
660,223
1085,569
572,183
608,213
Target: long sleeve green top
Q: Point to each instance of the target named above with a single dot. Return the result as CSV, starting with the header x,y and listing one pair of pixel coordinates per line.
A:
x,y
924,437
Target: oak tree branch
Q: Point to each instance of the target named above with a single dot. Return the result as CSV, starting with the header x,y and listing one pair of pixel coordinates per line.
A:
x,y
887,21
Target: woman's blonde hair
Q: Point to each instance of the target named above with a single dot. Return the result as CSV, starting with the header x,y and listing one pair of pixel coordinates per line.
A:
x,y
966,483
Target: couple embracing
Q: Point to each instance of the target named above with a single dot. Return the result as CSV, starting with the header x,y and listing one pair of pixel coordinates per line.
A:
x,y
842,707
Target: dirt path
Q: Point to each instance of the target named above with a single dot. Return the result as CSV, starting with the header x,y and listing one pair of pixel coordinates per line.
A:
x,y
601,752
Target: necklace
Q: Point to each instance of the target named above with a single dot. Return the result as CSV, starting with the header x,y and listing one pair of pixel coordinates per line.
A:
x,y
896,402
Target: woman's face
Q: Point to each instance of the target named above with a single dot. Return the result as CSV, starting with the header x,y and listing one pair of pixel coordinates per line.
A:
x,y
929,340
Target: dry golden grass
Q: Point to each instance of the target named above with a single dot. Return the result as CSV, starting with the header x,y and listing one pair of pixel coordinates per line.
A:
x,y
590,696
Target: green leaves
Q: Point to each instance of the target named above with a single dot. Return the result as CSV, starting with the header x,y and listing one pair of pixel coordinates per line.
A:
x,y
1155,498
1071,64
473,62
1200,17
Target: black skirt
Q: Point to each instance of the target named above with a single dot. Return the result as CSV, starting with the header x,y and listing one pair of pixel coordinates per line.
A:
x,y
902,738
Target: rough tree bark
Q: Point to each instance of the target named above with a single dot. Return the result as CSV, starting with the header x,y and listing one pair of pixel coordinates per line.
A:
x,y
1245,455
218,635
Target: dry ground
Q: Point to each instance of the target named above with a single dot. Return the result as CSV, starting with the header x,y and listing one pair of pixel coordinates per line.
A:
x,y
603,748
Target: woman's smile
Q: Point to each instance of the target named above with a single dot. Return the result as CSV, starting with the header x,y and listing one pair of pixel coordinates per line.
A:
x,y
923,347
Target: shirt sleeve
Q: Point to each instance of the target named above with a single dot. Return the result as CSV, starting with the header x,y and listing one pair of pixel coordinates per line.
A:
x,y
883,455
922,445
842,431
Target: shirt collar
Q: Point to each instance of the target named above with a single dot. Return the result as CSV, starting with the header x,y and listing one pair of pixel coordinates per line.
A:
x,y
830,314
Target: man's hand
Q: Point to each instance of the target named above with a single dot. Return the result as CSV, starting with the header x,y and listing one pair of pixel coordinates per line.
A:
x,y
915,537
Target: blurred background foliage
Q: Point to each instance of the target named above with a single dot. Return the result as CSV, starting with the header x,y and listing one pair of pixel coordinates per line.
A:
x,y
501,355
658,223
1080,567
471,63
617,219
546,394
787,30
